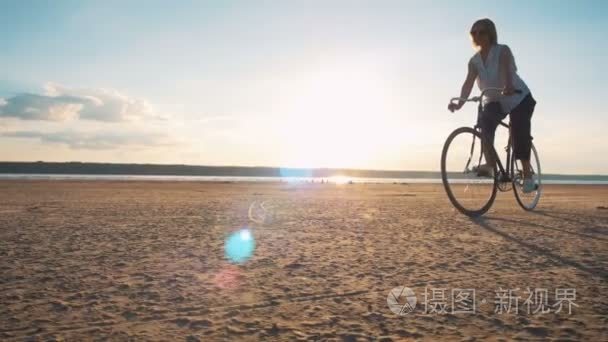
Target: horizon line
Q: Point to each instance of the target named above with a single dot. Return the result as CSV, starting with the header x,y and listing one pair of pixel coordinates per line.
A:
x,y
268,167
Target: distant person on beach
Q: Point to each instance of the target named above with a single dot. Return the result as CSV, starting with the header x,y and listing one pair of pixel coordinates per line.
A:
x,y
494,66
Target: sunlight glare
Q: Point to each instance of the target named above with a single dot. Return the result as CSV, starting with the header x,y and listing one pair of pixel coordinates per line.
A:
x,y
339,179
337,117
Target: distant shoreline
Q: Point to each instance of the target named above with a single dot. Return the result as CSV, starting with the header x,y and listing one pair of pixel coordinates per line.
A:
x,y
11,170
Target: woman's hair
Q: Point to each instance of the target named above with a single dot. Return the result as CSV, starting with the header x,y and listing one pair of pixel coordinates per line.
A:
x,y
490,29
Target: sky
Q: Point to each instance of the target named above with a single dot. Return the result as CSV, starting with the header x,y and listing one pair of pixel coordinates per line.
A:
x,y
348,84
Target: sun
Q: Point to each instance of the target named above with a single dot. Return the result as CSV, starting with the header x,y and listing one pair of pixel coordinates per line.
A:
x,y
334,118
340,179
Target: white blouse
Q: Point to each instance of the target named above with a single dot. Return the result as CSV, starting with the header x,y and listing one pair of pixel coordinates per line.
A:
x,y
489,76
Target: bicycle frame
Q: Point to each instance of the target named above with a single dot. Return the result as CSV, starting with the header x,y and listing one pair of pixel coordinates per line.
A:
x,y
505,174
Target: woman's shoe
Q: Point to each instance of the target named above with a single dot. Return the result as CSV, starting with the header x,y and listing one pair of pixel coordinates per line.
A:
x,y
529,185
484,170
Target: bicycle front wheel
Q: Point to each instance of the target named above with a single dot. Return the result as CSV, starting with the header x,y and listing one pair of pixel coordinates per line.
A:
x,y
469,192
527,201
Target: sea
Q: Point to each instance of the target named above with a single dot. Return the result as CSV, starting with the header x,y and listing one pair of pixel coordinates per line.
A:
x,y
233,179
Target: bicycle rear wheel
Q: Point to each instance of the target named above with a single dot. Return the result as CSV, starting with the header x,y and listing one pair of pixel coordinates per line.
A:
x,y
471,194
527,201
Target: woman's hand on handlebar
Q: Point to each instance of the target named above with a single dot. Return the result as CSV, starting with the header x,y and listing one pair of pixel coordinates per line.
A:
x,y
452,107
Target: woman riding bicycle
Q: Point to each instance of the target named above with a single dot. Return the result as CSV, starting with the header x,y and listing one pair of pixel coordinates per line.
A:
x,y
493,66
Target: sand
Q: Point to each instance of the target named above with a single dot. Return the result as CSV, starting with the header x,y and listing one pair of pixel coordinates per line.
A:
x,y
146,261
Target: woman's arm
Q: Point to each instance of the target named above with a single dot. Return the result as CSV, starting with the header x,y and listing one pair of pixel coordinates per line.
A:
x,y
506,66
467,86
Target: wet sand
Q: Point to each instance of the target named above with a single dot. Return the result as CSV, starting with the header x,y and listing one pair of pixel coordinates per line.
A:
x,y
146,261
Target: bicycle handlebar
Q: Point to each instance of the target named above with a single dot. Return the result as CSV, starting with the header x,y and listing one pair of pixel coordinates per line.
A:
x,y
483,93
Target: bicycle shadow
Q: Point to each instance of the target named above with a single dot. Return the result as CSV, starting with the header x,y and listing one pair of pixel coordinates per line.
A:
x,y
538,225
540,251
589,226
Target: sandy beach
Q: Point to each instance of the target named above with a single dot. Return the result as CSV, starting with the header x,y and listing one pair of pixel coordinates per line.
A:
x,y
138,261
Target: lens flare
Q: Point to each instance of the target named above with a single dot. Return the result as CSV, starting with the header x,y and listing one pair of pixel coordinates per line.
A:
x,y
227,277
239,246
291,174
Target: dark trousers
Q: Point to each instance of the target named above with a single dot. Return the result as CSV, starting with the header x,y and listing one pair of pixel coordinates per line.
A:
x,y
492,114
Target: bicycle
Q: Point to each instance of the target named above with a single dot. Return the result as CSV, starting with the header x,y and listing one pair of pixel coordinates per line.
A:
x,y
472,194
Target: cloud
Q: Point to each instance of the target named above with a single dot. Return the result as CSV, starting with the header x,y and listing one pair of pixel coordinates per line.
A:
x,y
71,116
61,103
96,140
